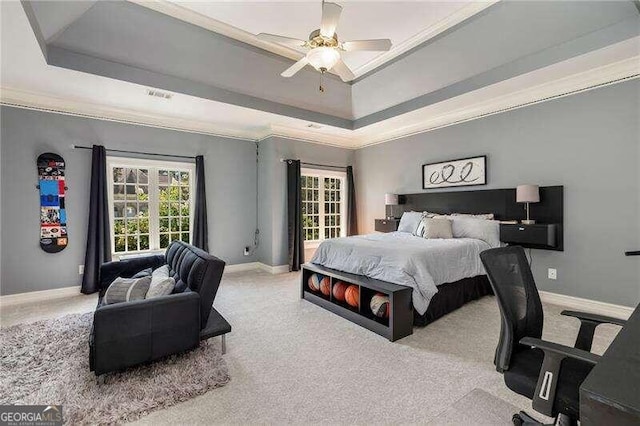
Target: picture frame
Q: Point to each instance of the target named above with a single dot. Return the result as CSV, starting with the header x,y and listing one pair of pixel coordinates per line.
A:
x,y
470,171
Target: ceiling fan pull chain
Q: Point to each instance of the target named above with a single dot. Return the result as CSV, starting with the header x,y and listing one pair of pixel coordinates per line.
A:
x,y
321,88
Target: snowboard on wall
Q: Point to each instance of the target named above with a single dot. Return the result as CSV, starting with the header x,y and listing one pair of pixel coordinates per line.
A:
x,y
53,214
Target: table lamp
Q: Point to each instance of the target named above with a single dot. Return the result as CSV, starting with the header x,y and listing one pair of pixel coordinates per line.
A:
x,y
528,194
391,200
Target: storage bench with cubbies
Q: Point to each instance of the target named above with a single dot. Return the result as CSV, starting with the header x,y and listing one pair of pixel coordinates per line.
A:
x,y
398,323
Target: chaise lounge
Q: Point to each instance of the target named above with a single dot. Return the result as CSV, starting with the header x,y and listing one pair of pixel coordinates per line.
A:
x,y
131,333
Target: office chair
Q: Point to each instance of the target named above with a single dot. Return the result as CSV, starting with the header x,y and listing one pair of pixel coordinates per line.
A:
x,y
548,373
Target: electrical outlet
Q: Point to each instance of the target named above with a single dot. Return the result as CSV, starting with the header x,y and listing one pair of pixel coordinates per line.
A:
x,y
552,274
80,269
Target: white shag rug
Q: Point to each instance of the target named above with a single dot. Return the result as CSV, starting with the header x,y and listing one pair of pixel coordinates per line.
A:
x,y
47,362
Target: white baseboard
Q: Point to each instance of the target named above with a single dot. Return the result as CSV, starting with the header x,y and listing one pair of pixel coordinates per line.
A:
x,y
278,269
587,305
57,293
252,266
241,267
39,296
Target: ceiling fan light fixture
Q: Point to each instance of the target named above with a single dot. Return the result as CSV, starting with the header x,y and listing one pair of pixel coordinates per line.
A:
x,y
323,58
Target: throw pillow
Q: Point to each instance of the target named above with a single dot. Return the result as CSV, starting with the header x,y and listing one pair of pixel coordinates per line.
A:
x,y
409,222
435,228
161,283
126,290
160,287
143,273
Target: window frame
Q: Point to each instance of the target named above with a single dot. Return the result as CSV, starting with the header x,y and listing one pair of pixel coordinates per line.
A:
x,y
154,198
321,174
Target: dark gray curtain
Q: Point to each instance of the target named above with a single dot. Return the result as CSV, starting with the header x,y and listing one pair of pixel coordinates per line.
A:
x,y
352,215
294,215
200,228
98,237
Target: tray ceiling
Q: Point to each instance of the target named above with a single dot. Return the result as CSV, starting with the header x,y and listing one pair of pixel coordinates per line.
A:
x,y
68,58
406,23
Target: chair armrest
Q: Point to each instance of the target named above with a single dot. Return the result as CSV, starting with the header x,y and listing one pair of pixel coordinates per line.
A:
x,y
127,268
588,324
602,319
561,350
554,353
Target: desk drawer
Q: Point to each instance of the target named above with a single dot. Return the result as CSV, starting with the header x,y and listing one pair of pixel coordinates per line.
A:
x,y
536,235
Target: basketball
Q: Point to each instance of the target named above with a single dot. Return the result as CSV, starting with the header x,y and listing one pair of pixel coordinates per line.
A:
x,y
338,291
314,282
380,305
352,296
325,286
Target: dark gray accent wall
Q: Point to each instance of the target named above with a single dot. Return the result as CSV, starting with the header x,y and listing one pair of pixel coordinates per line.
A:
x,y
230,173
272,199
588,142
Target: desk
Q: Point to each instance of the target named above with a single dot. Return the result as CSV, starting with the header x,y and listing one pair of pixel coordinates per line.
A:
x,y
611,392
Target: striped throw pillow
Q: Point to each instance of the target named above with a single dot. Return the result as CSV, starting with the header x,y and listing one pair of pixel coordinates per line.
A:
x,y
126,289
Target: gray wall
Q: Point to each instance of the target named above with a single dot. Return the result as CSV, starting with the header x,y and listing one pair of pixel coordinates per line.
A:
x,y
230,173
587,142
272,196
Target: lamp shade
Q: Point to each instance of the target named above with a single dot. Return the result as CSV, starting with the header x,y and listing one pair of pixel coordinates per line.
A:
x,y
323,58
391,199
527,194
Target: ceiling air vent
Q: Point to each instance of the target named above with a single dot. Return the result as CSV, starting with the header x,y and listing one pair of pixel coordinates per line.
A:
x,y
314,126
159,94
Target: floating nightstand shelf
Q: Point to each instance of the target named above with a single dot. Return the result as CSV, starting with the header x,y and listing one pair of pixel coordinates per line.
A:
x,y
387,225
545,236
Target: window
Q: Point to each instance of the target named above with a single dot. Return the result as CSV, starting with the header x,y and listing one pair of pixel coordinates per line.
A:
x,y
151,204
323,205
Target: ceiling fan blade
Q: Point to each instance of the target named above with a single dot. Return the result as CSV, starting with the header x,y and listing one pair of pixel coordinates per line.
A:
x,y
382,44
290,72
330,17
287,41
343,71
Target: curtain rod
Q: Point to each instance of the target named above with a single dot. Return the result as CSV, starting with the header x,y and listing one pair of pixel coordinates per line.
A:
x,y
136,152
284,160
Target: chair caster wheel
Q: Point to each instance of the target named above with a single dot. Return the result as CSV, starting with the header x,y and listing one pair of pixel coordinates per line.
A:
x,y
517,420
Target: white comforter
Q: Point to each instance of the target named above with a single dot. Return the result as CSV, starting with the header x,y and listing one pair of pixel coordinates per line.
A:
x,y
404,259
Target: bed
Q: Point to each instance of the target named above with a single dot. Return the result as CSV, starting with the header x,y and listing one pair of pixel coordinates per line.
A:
x,y
444,274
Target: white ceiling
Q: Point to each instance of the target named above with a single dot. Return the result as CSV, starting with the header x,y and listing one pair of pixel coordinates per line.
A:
x,y
401,21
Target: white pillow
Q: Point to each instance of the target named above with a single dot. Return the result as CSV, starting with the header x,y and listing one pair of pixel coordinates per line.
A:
x,y
480,229
434,228
485,216
409,222
161,283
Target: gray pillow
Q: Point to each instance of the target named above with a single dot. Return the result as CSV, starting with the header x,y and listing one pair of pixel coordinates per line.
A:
x,y
435,228
161,283
126,290
143,273
409,222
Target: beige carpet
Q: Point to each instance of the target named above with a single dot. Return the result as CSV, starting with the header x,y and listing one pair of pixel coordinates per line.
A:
x,y
478,408
293,362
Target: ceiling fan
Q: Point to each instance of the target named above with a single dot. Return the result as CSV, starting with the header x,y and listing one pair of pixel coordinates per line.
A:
x,y
325,48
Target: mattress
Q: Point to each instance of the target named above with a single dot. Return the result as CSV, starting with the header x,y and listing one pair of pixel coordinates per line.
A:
x,y
404,259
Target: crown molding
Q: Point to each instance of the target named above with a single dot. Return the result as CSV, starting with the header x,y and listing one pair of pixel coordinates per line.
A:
x,y
187,15
50,103
192,17
488,101
427,34
494,99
